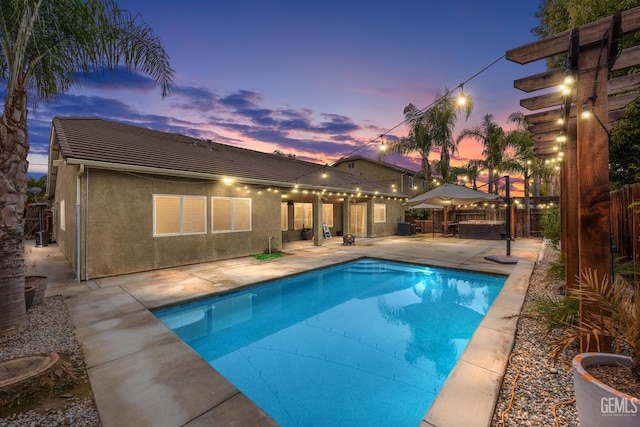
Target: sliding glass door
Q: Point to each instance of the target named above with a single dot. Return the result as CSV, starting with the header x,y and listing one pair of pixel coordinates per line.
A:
x,y
358,220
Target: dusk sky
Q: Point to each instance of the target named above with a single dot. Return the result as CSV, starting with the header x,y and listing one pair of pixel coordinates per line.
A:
x,y
317,79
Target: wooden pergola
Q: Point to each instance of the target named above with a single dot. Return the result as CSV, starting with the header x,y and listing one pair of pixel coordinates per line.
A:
x,y
591,53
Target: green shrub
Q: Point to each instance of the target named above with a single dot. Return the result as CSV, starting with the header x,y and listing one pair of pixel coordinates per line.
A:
x,y
556,269
557,311
551,226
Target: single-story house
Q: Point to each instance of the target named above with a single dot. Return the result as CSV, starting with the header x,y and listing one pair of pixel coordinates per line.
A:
x,y
128,199
400,179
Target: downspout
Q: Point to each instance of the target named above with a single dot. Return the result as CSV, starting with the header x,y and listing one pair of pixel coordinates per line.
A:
x,y
78,223
86,227
402,182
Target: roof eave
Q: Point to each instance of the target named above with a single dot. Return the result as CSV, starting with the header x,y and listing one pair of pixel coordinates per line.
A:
x,y
208,176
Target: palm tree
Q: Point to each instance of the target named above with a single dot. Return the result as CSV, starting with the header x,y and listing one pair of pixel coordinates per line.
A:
x,y
40,183
47,47
442,119
432,128
522,161
492,138
418,141
471,171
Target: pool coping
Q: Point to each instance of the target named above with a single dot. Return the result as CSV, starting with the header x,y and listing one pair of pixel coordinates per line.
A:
x,y
123,341
469,395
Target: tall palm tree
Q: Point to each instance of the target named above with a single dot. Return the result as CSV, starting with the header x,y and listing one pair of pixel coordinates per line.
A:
x,y
418,141
442,119
47,47
522,161
432,128
492,138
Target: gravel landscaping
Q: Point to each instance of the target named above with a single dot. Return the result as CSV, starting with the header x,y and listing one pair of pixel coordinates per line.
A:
x,y
535,386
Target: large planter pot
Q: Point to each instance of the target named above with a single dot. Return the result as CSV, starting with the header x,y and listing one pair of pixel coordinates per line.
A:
x,y
29,295
598,404
40,283
306,234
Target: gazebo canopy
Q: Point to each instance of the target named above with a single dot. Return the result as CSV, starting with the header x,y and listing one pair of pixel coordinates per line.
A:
x,y
451,195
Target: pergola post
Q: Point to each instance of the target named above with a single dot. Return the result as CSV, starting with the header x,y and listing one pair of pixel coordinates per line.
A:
x,y
593,174
593,51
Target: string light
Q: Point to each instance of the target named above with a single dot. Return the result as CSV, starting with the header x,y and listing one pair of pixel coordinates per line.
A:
x,y
562,137
462,99
436,101
586,109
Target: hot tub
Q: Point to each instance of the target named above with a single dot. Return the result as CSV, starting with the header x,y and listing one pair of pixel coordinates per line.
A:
x,y
482,229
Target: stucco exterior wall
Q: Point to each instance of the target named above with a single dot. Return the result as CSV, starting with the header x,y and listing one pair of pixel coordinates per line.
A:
x,y
395,212
119,218
65,222
117,222
384,175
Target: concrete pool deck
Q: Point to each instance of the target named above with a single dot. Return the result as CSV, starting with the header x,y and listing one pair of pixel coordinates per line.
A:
x,y
141,373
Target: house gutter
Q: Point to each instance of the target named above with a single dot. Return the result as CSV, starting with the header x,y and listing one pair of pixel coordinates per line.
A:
x,y
201,175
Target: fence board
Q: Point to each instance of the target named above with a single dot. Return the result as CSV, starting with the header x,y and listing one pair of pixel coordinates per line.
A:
x,y
625,222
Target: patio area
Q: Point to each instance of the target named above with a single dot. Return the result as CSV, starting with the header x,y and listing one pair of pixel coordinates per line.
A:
x,y
141,373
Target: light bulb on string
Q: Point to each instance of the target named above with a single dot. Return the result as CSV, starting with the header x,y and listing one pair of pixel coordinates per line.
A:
x,y
586,111
569,80
462,98
562,137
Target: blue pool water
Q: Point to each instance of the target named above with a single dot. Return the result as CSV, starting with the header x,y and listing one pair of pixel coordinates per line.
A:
x,y
368,342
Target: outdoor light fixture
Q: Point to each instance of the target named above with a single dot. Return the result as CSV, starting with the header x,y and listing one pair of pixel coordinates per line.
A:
x,y
586,111
382,146
462,99
568,82
324,171
562,137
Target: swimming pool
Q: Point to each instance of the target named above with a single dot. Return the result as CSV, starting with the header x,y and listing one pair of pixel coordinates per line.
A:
x,y
368,342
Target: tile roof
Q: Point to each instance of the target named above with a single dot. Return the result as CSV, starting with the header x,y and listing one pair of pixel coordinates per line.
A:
x,y
107,142
374,161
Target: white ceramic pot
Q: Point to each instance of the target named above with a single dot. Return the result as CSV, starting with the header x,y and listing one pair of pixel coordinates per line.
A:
x,y
598,404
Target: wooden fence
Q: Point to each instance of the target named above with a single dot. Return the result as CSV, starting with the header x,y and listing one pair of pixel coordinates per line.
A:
x,y
462,214
625,222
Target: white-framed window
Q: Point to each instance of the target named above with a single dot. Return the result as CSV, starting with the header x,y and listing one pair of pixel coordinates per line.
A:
x,y
379,212
63,215
411,183
302,215
229,214
284,216
175,215
327,214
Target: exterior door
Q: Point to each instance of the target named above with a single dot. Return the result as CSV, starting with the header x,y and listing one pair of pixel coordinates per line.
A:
x,y
358,220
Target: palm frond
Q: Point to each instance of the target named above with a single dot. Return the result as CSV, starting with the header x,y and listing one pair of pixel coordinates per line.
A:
x,y
609,309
